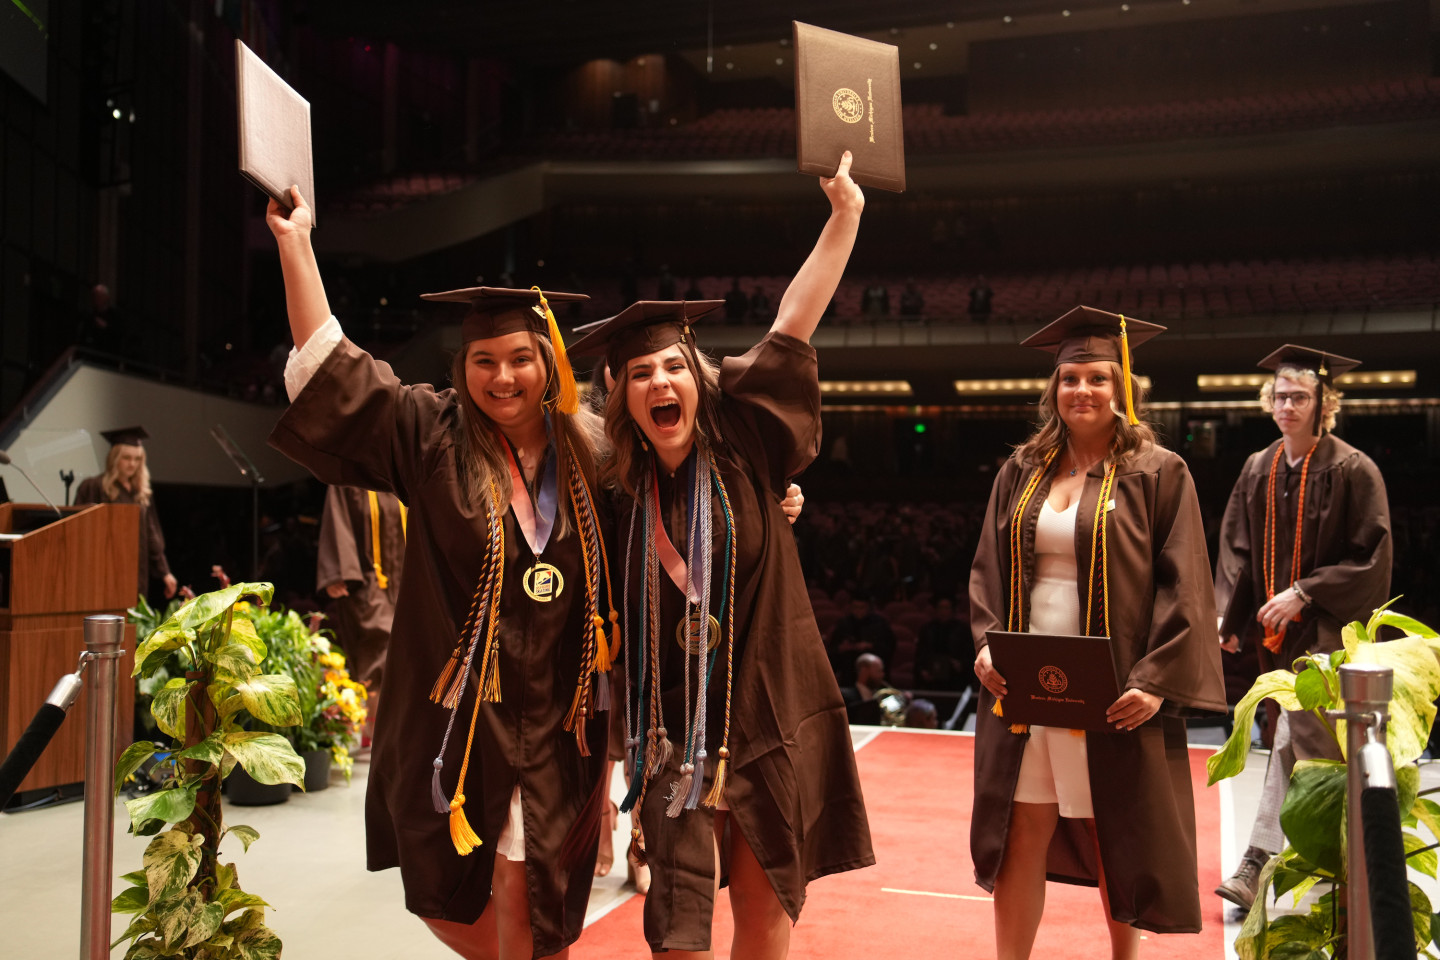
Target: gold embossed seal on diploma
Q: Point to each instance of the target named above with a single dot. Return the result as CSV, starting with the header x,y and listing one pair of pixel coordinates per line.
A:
x,y
1054,680
847,97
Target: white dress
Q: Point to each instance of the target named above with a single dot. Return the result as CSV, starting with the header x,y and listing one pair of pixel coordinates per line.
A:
x,y
1054,768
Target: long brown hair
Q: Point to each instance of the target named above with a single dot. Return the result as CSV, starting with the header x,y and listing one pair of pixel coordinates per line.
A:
x,y
625,467
1050,431
480,457
139,483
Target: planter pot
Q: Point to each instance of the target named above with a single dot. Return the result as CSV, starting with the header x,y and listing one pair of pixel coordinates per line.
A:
x,y
245,791
317,769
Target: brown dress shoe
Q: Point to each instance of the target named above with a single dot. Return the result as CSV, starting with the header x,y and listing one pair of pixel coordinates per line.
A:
x,y
1242,888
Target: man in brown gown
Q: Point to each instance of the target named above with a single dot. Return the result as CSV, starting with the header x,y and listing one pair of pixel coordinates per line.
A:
x,y
1343,573
127,459
358,567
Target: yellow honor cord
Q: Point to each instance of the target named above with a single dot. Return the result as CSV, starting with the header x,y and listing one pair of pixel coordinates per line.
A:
x,y
404,521
1125,371
567,395
382,581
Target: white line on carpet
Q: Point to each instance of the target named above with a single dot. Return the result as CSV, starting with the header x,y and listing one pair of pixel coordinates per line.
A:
x,y
928,893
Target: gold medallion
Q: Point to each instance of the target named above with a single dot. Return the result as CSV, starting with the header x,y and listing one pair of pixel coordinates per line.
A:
x,y
543,582
687,633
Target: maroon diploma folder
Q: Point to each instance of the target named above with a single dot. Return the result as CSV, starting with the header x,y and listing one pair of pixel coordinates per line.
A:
x,y
1055,681
274,130
847,97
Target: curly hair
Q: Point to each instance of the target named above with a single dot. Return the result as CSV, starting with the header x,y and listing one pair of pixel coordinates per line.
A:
x,y
1050,431
1329,396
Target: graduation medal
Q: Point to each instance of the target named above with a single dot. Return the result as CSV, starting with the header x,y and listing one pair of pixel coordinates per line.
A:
x,y
543,582
687,633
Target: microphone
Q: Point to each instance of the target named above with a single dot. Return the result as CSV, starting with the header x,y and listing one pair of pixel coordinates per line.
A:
x,y
7,462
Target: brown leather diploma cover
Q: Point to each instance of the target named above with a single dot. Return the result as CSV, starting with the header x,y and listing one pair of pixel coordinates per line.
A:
x,y
1055,681
847,97
274,130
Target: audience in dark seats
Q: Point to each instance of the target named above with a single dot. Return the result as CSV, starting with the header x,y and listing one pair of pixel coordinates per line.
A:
x,y
944,652
736,303
980,301
759,304
875,300
693,292
861,631
869,679
912,301
921,715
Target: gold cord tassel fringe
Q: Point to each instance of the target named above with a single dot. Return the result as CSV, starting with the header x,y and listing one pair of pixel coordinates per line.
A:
x,y
461,834
717,786
567,399
602,646
438,693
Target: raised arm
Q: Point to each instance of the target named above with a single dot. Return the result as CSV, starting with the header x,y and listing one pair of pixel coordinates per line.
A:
x,y
810,292
304,292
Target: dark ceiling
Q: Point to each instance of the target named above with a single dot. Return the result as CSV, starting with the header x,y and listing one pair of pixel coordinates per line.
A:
x,y
572,31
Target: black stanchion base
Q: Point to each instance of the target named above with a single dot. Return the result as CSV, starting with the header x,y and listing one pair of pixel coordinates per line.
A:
x,y
27,800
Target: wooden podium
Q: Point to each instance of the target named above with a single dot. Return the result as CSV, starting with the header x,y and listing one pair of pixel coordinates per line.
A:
x,y
54,572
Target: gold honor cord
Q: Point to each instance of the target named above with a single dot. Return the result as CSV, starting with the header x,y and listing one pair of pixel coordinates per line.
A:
x,y
1016,621
382,581
1273,641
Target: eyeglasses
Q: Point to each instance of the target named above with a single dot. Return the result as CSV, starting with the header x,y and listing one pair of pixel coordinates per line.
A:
x,y
1297,400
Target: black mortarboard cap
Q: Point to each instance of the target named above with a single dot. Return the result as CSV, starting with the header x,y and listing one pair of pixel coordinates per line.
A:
x,y
498,311
130,436
643,327
1327,366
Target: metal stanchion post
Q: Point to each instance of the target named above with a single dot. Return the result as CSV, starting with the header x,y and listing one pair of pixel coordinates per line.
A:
x,y
1366,690
103,636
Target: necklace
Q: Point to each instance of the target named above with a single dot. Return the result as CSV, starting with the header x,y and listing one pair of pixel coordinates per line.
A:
x,y
1075,467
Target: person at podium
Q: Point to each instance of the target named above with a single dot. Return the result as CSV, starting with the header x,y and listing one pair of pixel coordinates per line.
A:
x,y
127,480
1092,494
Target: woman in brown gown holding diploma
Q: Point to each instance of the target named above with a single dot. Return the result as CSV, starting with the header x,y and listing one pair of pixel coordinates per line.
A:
x,y
1094,529
488,749
746,745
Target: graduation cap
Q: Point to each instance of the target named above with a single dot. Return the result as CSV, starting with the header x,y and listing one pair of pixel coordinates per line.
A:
x,y
499,311
1085,335
130,436
642,328
1326,366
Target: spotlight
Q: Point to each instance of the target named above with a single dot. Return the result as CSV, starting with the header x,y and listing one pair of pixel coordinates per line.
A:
x,y
115,113
934,46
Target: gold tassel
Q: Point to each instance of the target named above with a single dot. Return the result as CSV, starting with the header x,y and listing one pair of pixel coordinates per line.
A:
x,y
1125,365
1019,728
999,711
461,834
637,848
717,786
490,681
996,709
602,647
381,581
573,714
437,692
567,398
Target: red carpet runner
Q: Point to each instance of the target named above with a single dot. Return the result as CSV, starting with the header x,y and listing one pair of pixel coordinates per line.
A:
x,y
917,790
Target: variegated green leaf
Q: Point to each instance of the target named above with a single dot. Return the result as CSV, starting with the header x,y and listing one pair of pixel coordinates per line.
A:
x,y
247,835
233,900
1417,685
168,707
170,861
215,604
1230,759
1312,813
210,750
131,760
268,757
258,943
1251,942
140,926
204,923
226,877
153,650
1407,783
172,916
171,806
1310,689
131,900
1417,857
234,661
271,698
1427,811
242,632
136,878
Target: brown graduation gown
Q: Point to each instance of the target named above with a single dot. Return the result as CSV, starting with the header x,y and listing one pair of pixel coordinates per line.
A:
x,y
361,619
356,424
793,790
152,561
1162,621
1345,558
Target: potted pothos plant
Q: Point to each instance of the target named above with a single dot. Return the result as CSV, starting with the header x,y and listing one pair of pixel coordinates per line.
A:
x,y
1313,814
184,901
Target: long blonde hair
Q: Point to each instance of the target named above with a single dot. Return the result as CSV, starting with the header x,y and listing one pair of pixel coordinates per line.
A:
x,y
1050,431
139,484
623,470
480,457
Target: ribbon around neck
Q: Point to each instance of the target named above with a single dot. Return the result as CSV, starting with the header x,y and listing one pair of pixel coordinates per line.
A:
x,y
679,570
536,520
